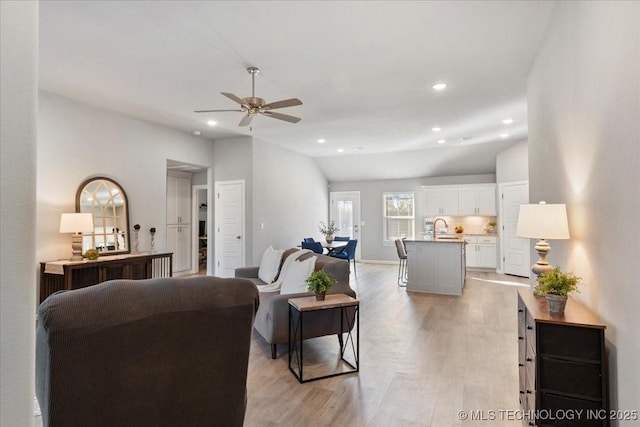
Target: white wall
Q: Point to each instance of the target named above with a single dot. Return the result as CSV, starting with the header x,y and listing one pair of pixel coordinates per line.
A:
x,y
77,141
290,197
371,242
513,164
233,160
18,107
584,150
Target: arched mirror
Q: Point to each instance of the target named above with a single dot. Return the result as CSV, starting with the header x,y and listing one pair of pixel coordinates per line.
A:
x,y
107,201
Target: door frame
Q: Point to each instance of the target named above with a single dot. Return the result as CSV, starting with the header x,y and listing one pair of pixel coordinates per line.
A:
x,y
501,235
218,214
357,221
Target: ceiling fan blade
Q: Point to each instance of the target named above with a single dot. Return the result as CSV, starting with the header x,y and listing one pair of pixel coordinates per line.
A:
x,y
233,97
217,111
246,120
280,116
282,104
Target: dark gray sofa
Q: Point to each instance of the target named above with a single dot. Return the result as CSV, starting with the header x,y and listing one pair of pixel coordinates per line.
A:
x,y
272,316
156,352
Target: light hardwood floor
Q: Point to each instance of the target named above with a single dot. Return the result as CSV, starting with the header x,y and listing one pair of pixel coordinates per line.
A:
x,y
423,358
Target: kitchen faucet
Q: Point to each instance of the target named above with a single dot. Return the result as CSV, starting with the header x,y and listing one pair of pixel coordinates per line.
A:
x,y
435,228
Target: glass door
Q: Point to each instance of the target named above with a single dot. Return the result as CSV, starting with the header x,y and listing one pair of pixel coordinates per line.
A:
x,y
345,211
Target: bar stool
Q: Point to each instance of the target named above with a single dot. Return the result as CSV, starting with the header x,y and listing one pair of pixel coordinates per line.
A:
x,y
402,267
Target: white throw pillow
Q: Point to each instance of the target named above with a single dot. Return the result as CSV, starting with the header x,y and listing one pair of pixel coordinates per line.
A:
x,y
270,264
294,279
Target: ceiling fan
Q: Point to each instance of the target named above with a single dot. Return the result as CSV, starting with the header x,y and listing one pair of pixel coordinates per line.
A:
x,y
253,106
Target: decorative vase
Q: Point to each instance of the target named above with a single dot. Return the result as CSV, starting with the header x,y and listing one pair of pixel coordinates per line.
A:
x,y
320,296
556,303
136,241
329,238
152,242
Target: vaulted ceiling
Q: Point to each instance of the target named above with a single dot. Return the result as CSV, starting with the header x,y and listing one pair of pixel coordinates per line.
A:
x,y
363,70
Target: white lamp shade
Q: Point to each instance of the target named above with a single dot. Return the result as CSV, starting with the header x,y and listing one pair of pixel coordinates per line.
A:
x,y
76,223
543,221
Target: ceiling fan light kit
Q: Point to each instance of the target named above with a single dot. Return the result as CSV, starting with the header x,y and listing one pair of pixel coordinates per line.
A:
x,y
252,105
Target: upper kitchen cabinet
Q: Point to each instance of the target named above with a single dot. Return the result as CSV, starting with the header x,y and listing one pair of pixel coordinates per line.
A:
x,y
460,200
477,200
440,201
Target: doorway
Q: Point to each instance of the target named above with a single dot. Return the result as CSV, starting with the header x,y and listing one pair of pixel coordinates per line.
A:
x,y
200,225
514,250
345,211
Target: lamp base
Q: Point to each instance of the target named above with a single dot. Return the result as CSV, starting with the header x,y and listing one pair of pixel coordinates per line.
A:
x,y
76,247
542,265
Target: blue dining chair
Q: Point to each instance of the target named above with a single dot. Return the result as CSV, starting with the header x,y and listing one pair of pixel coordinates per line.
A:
x,y
341,238
308,240
314,246
348,253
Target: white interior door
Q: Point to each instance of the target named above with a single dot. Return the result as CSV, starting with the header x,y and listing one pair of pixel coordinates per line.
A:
x,y
229,227
515,250
345,211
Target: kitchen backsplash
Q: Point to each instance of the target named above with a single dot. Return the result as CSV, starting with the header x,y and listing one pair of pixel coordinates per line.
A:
x,y
471,224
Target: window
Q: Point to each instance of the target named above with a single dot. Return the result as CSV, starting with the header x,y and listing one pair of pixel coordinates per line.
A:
x,y
398,216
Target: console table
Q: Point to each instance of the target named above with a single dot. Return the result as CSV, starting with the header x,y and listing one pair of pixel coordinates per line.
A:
x,y
68,275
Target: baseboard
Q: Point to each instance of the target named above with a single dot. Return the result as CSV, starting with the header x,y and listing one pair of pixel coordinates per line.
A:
x,y
377,261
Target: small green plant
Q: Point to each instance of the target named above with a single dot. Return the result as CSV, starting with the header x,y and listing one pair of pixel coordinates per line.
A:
x,y
92,254
327,230
492,224
320,281
555,282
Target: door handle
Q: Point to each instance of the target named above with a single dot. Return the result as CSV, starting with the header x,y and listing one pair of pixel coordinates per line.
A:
x,y
238,237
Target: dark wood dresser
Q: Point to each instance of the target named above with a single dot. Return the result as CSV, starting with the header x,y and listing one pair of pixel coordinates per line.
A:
x,y
68,275
562,365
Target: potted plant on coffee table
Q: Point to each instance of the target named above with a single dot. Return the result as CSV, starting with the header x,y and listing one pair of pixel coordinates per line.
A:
x,y
328,230
556,286
320,282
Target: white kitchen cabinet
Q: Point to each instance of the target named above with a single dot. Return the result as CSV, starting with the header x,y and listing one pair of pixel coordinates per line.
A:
x,y
178,199
179,229
481,251
477,200
441,201
179,242
435,267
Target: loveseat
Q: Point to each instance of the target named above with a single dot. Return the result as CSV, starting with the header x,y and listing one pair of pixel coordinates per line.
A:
x,y
273,314
155,352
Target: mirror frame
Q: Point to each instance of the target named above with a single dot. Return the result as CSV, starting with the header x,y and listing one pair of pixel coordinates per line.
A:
x,y
79,192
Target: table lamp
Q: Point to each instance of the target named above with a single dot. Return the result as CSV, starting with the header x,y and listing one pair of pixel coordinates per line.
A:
x,y
76,223
543,221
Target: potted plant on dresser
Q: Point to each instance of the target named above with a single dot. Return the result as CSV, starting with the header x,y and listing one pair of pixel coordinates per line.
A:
x,y
320,282
556,286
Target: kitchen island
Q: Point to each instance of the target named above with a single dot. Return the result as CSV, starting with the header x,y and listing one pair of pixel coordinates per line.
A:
x,y
436,266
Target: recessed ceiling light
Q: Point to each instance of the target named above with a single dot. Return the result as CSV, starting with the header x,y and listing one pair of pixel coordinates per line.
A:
x,y
322,141
436,129
340,150
507,121
441,141
212,122
504,135
439,86
197,132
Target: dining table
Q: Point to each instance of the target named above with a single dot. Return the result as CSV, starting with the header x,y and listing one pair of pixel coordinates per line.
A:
x,y
334,247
